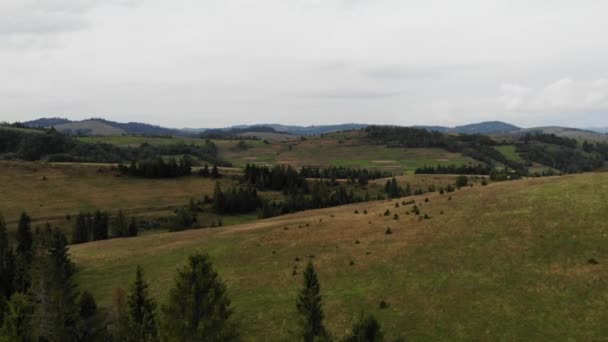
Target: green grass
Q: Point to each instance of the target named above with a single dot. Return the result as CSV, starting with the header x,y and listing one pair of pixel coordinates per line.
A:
x,y
503,262
510,152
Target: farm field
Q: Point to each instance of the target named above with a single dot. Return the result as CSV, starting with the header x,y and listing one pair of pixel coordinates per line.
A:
x,y
519,260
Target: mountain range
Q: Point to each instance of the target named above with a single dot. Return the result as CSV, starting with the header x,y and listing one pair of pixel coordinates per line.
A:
x,y
99,126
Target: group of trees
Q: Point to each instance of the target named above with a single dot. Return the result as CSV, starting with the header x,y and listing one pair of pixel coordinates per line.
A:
x,y
278,178
394,190
470,169
100,226
39,300
159,168
236,200
360,176
213,173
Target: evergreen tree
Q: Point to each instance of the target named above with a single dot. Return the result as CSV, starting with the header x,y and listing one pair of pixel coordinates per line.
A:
x,y
310,306
120,225
53,289
366,329
81,232
215,173
7,269
90,324
17,325
133,227
24,255
198,308
100,225
142,324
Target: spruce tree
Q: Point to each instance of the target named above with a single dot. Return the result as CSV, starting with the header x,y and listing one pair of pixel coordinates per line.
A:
x,y
120,225
17,325
198,308
366,329
215,173
141,307
53,290
310,306
133,227
7,269
24,255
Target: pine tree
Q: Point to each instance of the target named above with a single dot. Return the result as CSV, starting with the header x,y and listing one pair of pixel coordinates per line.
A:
x,y
120,225
17,325
215,173
81,232
7,269
141,307
366,329
24,255
133,227
198,308
53,289
310,306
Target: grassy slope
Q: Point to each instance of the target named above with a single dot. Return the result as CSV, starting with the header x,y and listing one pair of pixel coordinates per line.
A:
x,y
508,260
69,188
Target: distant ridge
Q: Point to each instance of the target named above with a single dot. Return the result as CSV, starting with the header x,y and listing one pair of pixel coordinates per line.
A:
x,y
487,127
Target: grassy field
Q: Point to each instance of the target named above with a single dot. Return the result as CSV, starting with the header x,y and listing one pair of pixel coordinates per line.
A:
x,y
54,190
510,152
509,261
338,149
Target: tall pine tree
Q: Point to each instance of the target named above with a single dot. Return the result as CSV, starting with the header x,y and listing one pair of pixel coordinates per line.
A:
x,y
198,308
141,311
7,269
310,306
25,253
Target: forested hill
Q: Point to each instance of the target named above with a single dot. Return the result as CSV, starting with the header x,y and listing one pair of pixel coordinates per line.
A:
x,y
563,154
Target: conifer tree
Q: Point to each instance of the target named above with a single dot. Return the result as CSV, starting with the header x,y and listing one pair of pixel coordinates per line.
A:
x,y
120,225
133,227
198,308
7,269
17,325
141,307
24,255
366,329
215,173
310,306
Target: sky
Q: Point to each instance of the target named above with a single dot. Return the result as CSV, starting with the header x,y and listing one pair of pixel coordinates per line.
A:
x,y
214,63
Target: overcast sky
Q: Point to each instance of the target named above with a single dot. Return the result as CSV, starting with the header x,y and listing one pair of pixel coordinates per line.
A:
x,y
211,63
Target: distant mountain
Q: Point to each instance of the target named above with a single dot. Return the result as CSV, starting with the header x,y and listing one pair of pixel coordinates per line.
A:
x,y
487,127
98,126
598,129
47,122
567,132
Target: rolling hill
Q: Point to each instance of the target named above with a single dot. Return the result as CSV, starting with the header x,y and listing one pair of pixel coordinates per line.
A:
x,y
520,260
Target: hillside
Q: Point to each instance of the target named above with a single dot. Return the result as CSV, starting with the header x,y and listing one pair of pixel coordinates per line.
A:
x,y
89,127
566,132
521,260
487,127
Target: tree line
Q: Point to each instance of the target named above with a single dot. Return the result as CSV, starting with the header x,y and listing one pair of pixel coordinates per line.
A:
x,y
470,169
100,226
56,147
158,168
358,175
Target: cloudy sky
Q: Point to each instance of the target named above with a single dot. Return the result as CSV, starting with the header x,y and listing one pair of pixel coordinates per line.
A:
x,y
214,63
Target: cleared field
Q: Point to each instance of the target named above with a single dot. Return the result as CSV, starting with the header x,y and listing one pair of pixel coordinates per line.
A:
x,y
51,190
509,261
510,152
